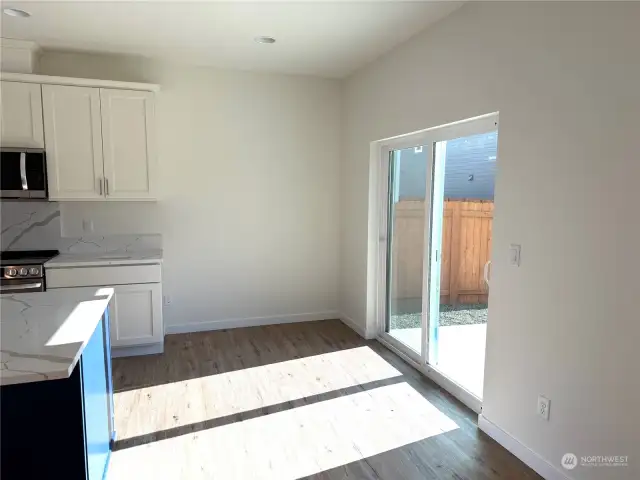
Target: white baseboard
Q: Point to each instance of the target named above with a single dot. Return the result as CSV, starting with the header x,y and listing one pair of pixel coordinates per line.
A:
x,y
352,325
139,350
248,322
524,453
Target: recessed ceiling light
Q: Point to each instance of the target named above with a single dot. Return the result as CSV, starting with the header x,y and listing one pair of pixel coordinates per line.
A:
x,y
16,12
265,40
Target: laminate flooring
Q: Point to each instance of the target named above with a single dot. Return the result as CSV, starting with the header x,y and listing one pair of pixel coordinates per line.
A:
x,y
284,402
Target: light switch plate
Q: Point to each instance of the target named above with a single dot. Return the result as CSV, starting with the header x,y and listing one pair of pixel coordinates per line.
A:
x,y
514,255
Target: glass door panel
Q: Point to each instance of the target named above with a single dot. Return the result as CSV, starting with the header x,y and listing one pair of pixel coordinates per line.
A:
x,y
460,252
406,246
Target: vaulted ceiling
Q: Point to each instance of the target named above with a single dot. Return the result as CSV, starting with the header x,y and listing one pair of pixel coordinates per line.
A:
x,y
329,39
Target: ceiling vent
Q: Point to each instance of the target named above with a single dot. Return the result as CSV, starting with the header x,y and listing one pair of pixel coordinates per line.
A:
x,y
18,56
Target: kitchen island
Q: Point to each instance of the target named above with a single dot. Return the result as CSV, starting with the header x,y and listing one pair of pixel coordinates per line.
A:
x,y
56,405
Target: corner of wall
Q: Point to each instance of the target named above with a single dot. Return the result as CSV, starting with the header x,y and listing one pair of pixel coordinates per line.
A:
x,y
353,325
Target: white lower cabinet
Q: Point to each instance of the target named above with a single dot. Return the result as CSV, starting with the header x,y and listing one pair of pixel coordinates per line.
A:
x,y
136,315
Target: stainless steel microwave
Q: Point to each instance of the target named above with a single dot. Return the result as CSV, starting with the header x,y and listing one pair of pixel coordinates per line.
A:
x,y
23,173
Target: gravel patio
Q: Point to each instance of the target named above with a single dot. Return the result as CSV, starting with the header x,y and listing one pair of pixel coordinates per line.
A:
x,y
470,314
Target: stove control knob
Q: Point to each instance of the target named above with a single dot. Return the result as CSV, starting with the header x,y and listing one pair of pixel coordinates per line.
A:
x,y
34,271
12,272
23,272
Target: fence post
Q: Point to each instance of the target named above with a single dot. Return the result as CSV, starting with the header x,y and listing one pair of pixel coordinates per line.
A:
x,y
456,227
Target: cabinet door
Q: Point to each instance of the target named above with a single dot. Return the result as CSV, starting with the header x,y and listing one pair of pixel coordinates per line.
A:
x,y
136,315
128,130
73,140
21,115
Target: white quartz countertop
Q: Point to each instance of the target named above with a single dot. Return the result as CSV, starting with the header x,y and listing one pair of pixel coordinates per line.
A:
x,y
96,259
43,334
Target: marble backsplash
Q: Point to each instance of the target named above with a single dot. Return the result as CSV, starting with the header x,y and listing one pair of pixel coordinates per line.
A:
x,y
36,226
110,243
29,225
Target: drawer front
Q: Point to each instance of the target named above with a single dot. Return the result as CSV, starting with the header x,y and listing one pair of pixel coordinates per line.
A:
x,y
102,276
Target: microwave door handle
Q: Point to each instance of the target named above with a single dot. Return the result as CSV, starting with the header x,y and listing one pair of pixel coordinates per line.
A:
x,y
23,170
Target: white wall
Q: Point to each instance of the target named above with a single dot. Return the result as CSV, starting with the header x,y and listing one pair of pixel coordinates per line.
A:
x,y
249,183
565,78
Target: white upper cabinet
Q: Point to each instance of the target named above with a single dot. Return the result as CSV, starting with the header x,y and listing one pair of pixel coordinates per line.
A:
x,y
73,137
129,144
99,135
100,143
21,115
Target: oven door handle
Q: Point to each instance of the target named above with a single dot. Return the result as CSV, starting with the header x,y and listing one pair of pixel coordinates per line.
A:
x,y
24,286
23,170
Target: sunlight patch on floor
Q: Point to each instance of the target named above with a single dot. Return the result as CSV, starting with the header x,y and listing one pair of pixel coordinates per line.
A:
x,y
462,355
293,443
161,407
461,352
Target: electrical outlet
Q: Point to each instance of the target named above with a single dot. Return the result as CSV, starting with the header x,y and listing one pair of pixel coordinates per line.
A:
x,y
166,300
87,226
543,407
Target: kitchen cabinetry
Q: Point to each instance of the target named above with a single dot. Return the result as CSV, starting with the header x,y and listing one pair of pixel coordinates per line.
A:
x,y
100,143
136,317
21,115
136,308
129,143
73,142
99,135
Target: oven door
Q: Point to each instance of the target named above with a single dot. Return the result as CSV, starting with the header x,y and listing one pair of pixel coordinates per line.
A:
x,y
23,173
21,285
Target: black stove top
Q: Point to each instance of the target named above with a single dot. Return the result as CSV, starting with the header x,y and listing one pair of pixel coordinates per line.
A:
x,y
26,257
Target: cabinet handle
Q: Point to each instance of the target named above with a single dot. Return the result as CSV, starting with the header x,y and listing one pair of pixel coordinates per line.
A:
x,y
100,185
106,186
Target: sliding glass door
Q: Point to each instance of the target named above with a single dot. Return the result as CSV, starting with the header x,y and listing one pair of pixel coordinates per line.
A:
x,y
435,231
407,194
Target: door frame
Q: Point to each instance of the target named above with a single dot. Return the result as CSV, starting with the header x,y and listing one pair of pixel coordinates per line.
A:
x,y
380,160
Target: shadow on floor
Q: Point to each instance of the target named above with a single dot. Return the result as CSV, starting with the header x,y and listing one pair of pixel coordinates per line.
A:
x,y
462,453
194,355
250,414
450,455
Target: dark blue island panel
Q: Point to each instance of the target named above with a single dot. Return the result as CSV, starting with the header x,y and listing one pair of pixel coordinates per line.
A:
x,y
61,428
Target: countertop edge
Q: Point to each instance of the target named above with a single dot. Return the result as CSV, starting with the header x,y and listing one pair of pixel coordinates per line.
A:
x,y
67,260
101,263
35,377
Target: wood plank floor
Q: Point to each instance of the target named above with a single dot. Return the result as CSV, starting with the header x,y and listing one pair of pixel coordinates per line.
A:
x,y
307,400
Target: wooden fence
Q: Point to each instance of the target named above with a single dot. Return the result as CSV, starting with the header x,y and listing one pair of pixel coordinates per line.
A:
x,y
466,248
